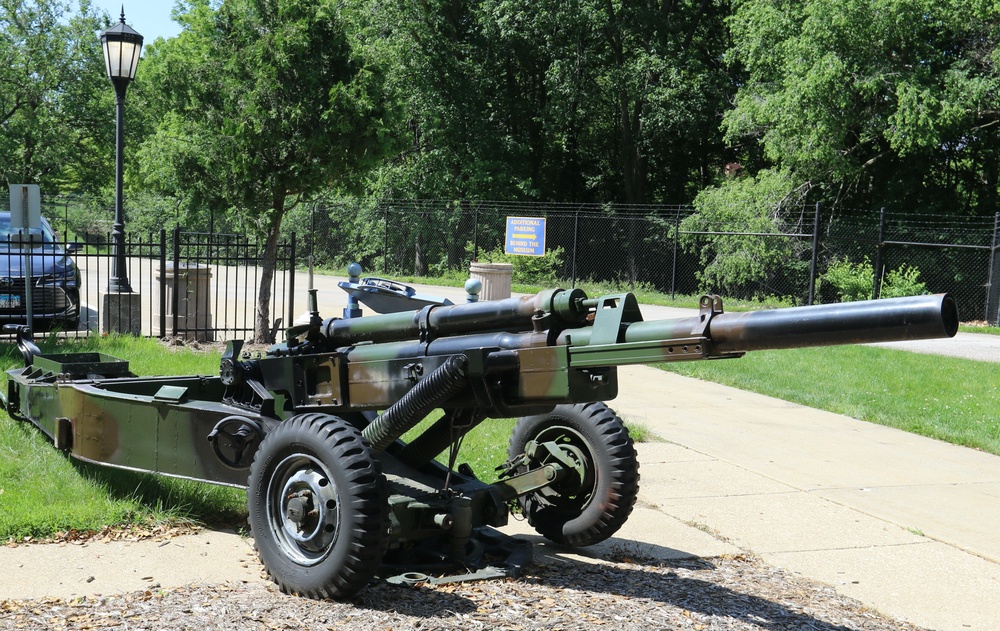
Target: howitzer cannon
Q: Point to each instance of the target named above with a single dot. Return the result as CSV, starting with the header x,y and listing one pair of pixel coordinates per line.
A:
x,y
313,427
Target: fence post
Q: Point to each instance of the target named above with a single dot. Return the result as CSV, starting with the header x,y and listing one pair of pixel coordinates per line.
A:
x,y
877,280
677,235
475,235
193,274
385,240
815,257
992,282
291,282
163,282
312,236
576,242
174,298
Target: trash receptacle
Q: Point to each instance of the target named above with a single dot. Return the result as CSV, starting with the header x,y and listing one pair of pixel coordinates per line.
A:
x,y
183,293
496,279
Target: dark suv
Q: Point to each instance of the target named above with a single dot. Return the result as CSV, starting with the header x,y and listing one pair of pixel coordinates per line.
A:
x,y
55,278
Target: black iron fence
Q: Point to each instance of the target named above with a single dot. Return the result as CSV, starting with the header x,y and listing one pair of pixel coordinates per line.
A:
x,y
192,286
211,285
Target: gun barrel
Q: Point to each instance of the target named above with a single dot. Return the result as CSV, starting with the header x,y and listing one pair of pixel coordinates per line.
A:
x,y
896,319
610,331
887,320
511,314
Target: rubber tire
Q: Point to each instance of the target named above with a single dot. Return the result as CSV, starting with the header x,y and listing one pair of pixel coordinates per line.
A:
x,y
603,438
362,533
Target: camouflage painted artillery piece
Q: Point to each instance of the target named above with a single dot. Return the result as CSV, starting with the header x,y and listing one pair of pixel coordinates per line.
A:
x,y
312,429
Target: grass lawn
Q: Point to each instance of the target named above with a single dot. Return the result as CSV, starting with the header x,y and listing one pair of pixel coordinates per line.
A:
x,y
955,400
43,492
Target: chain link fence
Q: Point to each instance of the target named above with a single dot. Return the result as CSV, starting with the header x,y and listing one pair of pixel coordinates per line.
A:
x,y
958,255
672,249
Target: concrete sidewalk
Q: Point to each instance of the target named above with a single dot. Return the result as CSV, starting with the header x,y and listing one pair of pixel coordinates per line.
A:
x,y
75,570
905,524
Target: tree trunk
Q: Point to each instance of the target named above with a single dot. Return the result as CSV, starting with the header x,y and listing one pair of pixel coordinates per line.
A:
x,y
262,321
419,256
456,238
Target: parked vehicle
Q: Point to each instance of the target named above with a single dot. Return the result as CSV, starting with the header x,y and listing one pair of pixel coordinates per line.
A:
x,y
55,279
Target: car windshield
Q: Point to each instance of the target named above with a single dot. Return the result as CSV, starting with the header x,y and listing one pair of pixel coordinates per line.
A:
x,y
7,233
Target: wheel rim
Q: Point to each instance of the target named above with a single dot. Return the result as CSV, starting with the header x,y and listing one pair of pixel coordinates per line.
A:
x,y
302,509
570,495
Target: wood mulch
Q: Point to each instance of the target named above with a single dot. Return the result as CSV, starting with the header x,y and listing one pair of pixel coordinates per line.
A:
x,y
702,595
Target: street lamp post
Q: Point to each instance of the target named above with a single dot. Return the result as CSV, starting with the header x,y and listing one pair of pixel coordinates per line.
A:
x,y
122,46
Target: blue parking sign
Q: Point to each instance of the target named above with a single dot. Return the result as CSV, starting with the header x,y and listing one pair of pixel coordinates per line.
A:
x,y
526,236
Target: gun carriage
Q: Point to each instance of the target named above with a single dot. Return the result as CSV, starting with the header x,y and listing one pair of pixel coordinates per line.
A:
x,y
313,427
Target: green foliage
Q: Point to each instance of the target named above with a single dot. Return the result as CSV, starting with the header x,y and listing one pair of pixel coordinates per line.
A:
x,y
744,265
258,106
583,100
902,281
339,231
535,270
56,105
871,102
88,217
258,103
855,281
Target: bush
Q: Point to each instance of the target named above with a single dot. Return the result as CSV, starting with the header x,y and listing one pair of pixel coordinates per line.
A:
x,y
902,282
736,259
90,219
854,281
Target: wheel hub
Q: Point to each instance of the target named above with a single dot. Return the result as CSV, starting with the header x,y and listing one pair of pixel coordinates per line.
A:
x,y
299,508
569,449
303,510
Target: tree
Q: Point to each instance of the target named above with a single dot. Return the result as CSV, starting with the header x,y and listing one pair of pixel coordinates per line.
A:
x,y
872,102
571,100
655,84
56,107
741,261
452,136
263,103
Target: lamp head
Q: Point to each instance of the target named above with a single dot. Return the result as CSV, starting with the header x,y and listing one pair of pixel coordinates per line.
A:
x,y
122,46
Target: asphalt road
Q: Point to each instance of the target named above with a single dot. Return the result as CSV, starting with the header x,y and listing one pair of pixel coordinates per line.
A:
x,y
975,346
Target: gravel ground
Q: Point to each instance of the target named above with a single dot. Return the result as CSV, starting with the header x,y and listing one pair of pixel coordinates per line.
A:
x,y
721,593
